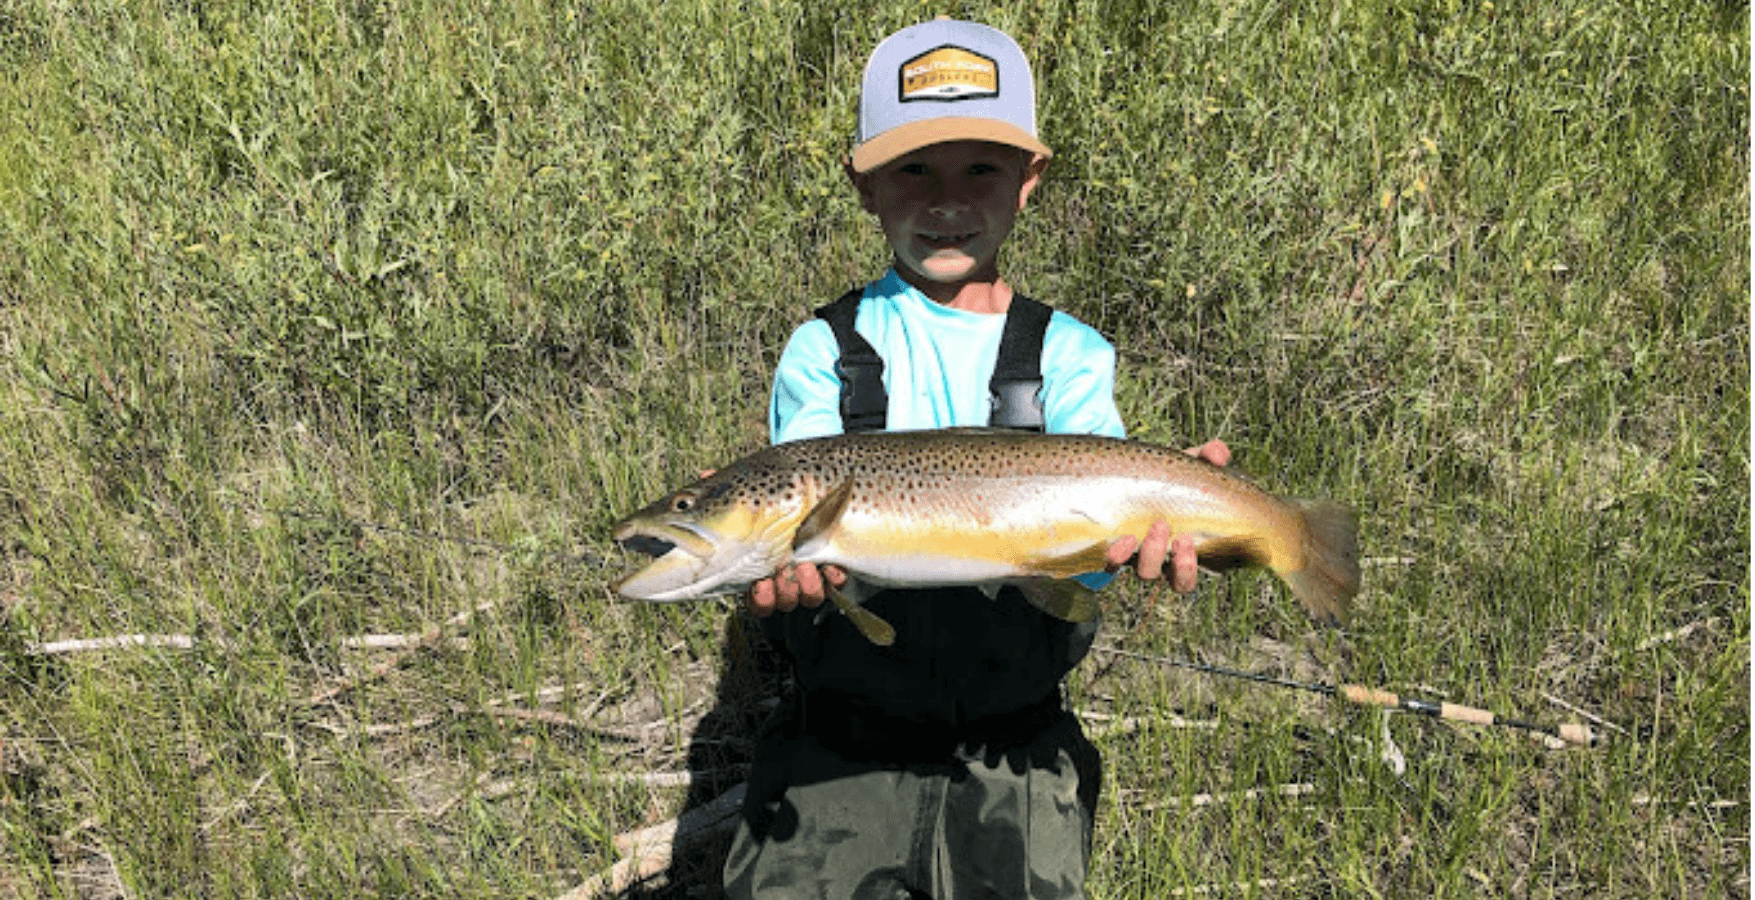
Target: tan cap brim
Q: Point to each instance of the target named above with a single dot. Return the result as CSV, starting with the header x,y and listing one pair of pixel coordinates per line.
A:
x,y
905,139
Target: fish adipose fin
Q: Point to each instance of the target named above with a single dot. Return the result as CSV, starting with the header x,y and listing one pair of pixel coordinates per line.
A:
x,y
819,525
1063,599
873,627
1330,576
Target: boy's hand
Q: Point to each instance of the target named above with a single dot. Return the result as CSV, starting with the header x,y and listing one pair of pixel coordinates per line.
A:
x,y
1159,546
792,587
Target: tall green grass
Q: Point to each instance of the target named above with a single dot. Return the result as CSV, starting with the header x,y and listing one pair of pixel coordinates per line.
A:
x,y
299,300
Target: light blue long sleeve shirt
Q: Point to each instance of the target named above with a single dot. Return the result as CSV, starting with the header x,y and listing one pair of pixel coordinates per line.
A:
x,y
937,365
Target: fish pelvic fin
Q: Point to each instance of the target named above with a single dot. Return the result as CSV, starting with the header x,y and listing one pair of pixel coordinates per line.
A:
x,y
870,624
1330,577
819,524
1061,598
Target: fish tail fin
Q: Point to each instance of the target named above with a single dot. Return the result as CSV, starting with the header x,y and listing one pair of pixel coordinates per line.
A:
x,y
1330,576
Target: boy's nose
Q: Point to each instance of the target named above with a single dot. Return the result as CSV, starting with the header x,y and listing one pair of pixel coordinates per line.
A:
x,y
949,202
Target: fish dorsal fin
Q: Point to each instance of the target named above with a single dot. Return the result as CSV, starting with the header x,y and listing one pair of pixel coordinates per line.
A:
x,y
819,525
873,627
1094,558
1061,598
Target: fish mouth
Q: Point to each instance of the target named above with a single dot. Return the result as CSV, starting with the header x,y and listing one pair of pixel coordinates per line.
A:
x,y
658,539
676,556
647,544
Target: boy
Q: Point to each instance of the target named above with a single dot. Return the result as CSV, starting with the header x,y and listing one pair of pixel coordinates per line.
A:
x,y
946,764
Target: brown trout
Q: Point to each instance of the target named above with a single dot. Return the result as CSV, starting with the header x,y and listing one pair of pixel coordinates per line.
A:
x,y
976,506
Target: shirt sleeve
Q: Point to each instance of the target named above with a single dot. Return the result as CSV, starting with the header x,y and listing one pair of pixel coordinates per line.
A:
x,y
806,401
1078,378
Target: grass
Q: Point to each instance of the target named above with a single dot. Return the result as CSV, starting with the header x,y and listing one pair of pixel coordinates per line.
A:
x,y
299,300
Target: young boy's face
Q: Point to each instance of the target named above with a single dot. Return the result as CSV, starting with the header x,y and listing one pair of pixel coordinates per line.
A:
x,y
947,208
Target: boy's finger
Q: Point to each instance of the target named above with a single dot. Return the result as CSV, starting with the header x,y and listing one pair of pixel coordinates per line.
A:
x,y
761,600
1153,550
1184,565
1121,551
1214,451
810,584
786,590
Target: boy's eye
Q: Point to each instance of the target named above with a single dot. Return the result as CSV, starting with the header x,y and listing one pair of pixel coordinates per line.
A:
x,y
912,169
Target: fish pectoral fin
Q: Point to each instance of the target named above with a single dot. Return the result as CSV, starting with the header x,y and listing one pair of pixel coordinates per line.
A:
x,y
1063,599
874,628
1094,558
819,525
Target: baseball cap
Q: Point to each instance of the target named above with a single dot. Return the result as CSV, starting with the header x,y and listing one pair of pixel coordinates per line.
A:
x,y
944,80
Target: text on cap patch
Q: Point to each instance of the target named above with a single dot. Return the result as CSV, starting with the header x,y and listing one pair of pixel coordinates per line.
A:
x,y
949,73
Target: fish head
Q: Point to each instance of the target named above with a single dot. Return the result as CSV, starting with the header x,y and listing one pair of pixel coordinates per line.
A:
x,y
716,536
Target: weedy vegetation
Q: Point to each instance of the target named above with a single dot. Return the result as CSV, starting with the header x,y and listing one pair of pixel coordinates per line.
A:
x,y
336,325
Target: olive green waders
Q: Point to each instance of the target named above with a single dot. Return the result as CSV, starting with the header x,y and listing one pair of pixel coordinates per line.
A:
x,y
943,766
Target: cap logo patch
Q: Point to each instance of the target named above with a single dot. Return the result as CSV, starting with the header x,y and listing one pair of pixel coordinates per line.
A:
x,y
949,73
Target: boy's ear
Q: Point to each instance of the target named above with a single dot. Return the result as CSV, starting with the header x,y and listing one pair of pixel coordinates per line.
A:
x,y
859,182
1032,176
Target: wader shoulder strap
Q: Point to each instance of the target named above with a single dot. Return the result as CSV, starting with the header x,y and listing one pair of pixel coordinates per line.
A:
x,y
1014,391
864,402
1016,388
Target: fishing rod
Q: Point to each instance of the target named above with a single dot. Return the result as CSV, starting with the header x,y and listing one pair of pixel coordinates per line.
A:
x,y
1571,733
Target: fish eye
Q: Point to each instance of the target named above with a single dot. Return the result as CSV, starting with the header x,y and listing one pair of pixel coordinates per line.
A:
x,y
682,504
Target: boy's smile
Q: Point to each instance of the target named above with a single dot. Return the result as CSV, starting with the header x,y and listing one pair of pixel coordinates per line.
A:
x,y
947,208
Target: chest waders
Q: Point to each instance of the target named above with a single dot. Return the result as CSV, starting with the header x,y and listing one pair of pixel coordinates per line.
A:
x,y
944,766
